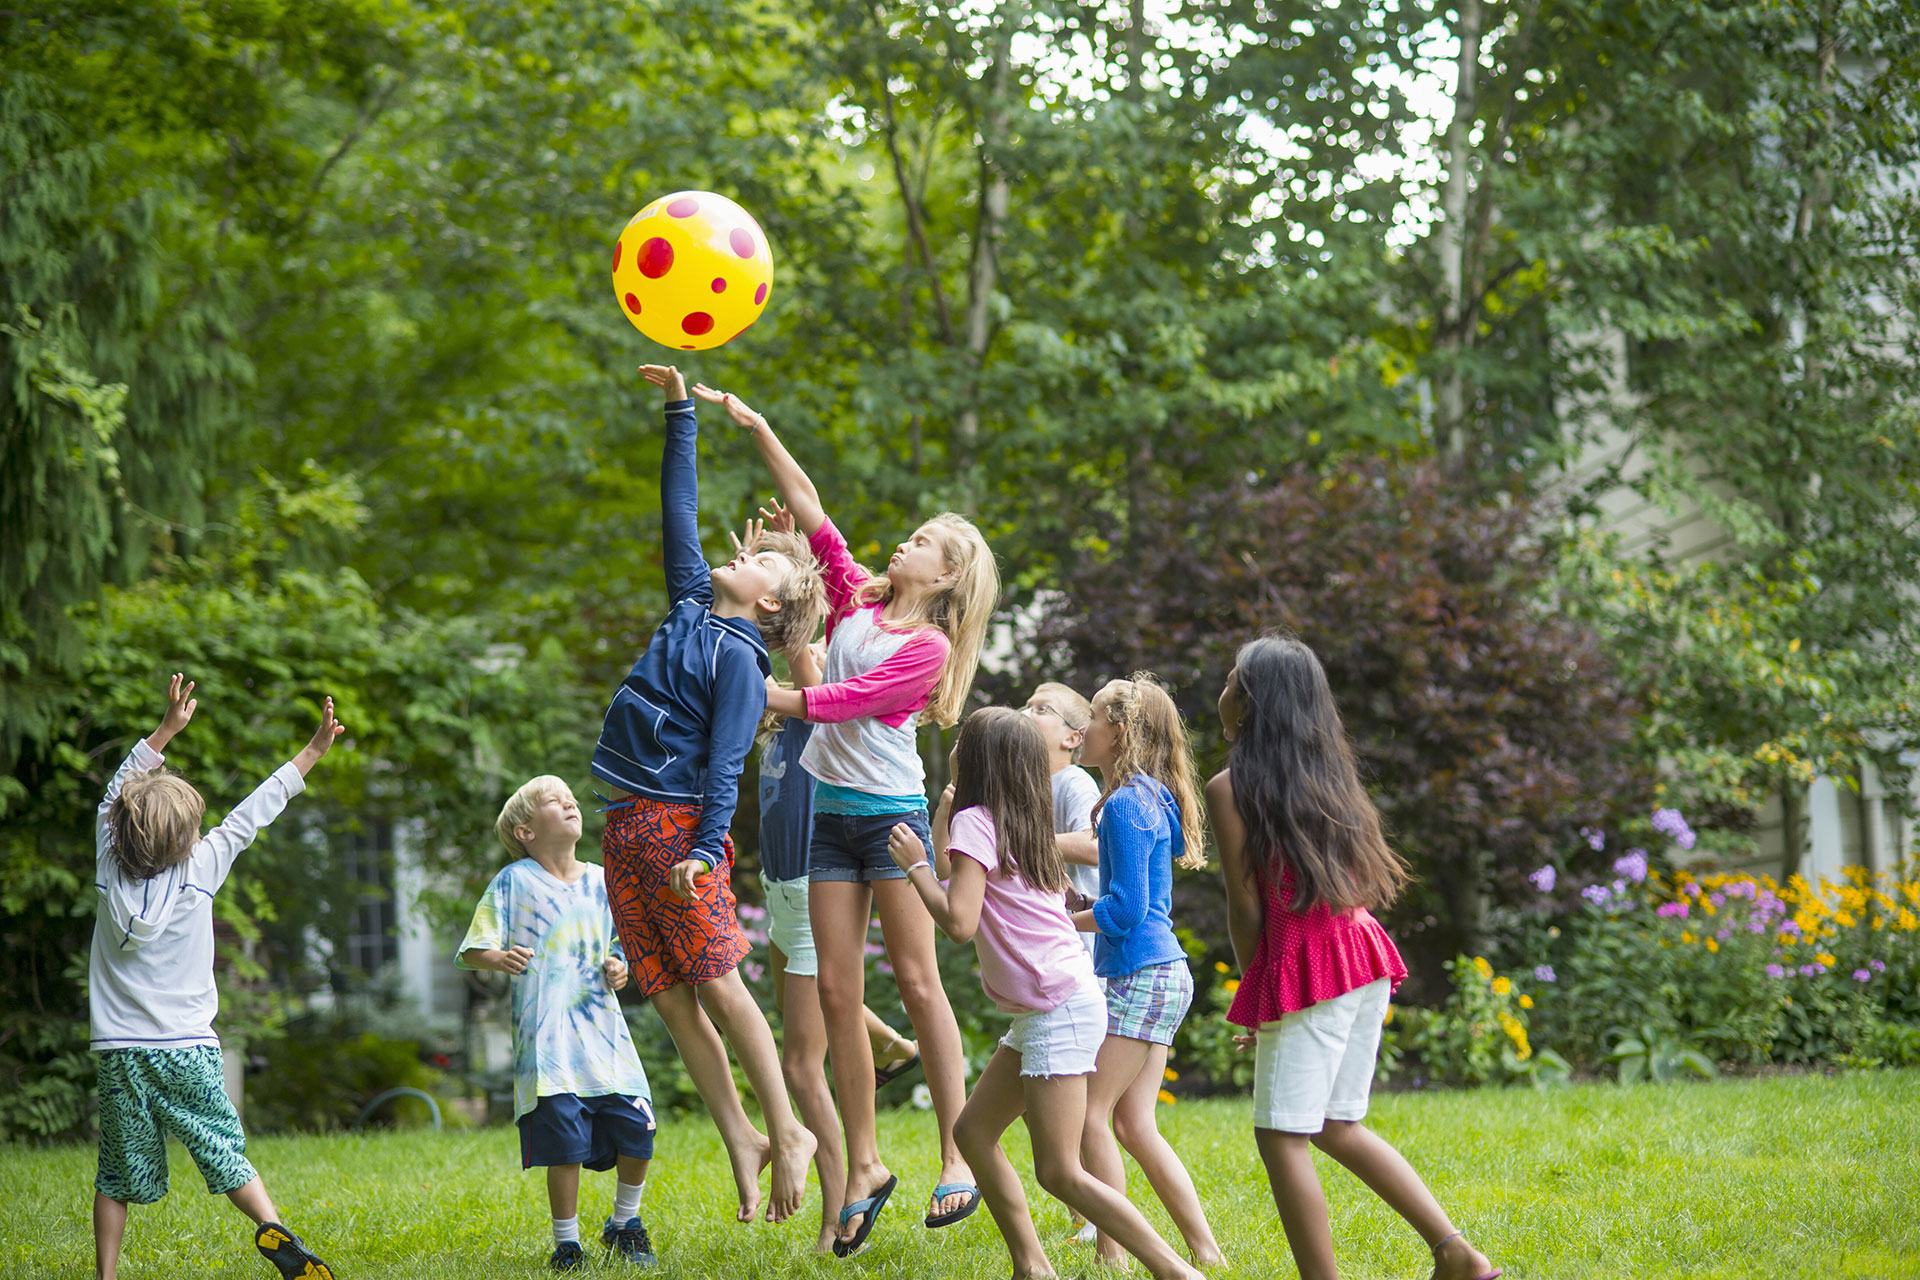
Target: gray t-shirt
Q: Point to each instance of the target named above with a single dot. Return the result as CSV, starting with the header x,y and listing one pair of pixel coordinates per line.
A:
x,y
1074,795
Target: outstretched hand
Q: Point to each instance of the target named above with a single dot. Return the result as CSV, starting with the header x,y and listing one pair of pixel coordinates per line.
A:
x,y
779,519
753,530
737,409
322,739
665,375
180,707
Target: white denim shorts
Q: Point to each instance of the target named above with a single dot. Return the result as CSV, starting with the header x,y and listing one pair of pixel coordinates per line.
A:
x,y
1062,1041
1316,1064
789,927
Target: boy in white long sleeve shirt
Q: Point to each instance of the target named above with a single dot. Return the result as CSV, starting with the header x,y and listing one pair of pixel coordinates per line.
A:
x,y
153,997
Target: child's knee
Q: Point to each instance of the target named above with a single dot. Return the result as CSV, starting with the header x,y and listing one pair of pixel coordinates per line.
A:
x,y
1059,1175
1335,1134
1134,1130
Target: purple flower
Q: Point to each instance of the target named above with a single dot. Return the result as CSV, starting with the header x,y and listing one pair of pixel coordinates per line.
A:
x,y
875,949
1633,866
750,912
1597,894
1543,878
1878,966
1812,970
1669,823
1596,840
1776,971
753,971
1673,909
1862,975
1756,926
1789,927
885,968
1544,973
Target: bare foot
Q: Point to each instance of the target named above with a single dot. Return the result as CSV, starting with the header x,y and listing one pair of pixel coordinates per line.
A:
x,y
790,1161
949,1203
748,1159
1184,1273
829,1232
861,1183
1210,1259
1455,1259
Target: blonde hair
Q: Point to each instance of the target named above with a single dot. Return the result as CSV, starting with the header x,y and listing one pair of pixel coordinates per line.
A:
x,y
959,610
801,592
1153,742
518,810
1075,711
154,822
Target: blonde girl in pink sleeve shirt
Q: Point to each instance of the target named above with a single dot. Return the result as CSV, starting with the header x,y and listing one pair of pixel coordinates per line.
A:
x,y
902,646
1006,892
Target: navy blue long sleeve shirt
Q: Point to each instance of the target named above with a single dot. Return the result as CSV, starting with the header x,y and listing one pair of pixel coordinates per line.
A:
x,y
680,725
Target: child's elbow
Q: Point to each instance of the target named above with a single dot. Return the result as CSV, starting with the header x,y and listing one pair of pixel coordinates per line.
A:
x,y
960,931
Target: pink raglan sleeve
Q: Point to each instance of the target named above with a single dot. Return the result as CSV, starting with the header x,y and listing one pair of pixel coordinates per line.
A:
x,y
838,570
891,692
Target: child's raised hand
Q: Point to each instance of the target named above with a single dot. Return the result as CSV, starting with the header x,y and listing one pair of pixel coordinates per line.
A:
x,y
180,708
615,970
665,375
904,846
944,809
322,739
753,531
681,879
736,408
779,518
1243,1041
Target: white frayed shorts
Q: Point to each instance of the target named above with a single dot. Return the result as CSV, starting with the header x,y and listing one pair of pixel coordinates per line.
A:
x,y
1316,1065
1063,1041
789,927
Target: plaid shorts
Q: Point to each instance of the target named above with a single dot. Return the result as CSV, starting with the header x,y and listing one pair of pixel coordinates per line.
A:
x,y
146,1094
1150,1004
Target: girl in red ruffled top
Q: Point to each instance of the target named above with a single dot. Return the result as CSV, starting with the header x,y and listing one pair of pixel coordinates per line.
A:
x,y
1304,858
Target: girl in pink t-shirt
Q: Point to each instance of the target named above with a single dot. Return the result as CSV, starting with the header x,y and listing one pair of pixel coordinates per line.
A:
x,y
1304,858
994,836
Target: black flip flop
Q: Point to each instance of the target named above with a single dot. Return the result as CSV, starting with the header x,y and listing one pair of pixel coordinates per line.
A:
x,y
871,1207
881,1079
946,1189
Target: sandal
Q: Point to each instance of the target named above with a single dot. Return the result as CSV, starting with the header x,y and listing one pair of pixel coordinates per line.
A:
x,y
946,1189
870,1207
884,1076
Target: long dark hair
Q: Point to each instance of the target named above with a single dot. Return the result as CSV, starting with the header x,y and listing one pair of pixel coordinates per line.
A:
x,y
1000,763
1297,788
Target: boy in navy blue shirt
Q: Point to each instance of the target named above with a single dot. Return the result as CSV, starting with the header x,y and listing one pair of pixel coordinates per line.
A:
x,y
672,747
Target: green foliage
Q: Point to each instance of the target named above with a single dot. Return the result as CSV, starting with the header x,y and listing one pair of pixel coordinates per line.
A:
x,y
1655,1055
1206,1041
1478,1037
319,1077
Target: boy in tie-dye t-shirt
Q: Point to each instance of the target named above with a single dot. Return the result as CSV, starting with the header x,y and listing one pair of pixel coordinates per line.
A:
x,y
580,1095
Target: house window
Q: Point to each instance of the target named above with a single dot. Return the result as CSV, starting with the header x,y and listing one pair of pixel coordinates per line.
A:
x,y
366,863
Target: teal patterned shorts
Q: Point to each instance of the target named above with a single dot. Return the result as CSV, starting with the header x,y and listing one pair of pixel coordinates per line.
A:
x,y
147,1093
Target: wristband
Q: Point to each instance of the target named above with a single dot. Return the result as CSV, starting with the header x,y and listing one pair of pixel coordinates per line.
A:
x,y
916,866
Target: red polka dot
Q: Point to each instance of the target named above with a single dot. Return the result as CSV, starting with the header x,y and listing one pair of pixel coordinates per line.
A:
x,y
760,295
719,284
656,258
616,255
633,304
742,241
684,207
697,323
688,346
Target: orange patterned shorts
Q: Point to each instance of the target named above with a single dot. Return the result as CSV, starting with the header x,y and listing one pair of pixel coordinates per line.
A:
x,y
668,941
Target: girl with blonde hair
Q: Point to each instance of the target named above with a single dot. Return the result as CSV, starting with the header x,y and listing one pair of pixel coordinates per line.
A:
x,y
901,645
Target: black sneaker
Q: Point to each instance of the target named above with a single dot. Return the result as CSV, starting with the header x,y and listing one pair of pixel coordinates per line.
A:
x,y
567,1257
286,1251
630,1242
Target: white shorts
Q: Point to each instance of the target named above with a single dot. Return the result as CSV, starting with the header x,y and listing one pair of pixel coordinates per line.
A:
x,y
1063,1041
1316,1065
789,927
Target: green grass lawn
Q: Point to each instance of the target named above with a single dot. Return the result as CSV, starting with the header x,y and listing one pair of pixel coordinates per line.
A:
x,y
1804,1176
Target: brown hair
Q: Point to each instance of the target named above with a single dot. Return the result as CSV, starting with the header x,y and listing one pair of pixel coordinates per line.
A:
x,y
1297,788
1153,743
959,610
154,822
801,593
1000,764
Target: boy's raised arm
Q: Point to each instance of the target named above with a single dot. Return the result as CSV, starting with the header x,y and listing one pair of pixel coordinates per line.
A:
x,y
686,565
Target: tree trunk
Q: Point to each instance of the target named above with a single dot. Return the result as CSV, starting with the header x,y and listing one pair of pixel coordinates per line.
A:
x,y
983,272
1793,802
1453,338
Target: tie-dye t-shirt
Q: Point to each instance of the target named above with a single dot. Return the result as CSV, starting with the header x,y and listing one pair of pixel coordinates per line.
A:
x,y
568,1035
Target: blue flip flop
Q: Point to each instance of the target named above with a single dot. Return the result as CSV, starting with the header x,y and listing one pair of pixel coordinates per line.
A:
x,y
871,1207
946,1189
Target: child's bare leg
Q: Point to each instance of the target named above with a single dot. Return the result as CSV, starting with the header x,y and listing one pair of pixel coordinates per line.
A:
x,y
839,911
889,1046
1301,1201
997,1102
907,929
803,1058
1374,1161
1056,1120
109,1231
563,1191
732,1007
1114,1071
705,1056
252,1200
1136,1123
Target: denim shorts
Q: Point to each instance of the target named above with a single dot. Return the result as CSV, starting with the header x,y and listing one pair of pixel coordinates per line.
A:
x,y
853,846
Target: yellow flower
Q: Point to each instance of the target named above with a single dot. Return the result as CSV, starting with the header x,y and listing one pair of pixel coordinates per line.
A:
x,y
1826,958
1686,936
1232,985
1501,986
1167,1097
1906,920
1389,1018
1481,967
1170,1074
1517,1034
1220,966
1526,1002
1713,944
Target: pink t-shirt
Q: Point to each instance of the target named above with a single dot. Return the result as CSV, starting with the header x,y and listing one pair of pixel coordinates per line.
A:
x,y
1031,960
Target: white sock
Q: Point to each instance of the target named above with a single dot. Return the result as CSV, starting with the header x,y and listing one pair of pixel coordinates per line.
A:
x,y
626,1200
565,1229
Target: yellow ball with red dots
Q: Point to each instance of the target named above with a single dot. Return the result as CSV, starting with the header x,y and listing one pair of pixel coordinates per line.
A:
x,y
692,270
